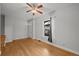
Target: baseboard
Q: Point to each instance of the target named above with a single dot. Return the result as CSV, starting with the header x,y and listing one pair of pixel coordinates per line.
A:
x,y
67,49
17,39
8,41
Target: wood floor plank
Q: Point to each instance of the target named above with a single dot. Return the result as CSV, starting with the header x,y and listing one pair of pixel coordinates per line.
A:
x,y
30,47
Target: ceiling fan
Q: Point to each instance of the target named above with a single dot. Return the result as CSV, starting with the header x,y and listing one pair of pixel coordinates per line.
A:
x,y
35,8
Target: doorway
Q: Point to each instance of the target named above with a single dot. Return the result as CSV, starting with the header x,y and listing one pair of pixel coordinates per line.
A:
x,y
30,28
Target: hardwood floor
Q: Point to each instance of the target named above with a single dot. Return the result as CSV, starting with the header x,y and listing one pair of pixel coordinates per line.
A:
x,y
30,47
2,42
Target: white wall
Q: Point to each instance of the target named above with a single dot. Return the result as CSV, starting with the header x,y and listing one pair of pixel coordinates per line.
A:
x,y
15,20
0,18
15,28
39,27
66,27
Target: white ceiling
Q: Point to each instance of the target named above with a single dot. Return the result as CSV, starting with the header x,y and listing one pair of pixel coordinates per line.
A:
x,y
19,9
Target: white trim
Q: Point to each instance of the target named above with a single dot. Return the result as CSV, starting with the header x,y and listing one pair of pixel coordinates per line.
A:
x,y
67,49
8,41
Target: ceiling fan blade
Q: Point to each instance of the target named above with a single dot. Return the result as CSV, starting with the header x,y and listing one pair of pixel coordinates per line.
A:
x,y
28,10
29,4
40,6
39,11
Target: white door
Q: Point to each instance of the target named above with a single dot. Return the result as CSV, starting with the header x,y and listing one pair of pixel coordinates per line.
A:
x,y
30,29
9,33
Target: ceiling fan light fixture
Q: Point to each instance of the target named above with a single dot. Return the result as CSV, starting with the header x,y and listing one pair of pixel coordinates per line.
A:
x,y
35,8
33,11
